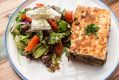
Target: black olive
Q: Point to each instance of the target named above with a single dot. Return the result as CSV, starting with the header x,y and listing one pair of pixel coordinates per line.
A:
x,y
25,28
48,64
46,33
45,58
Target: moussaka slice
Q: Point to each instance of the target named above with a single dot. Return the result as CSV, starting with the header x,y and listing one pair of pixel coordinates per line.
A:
x,y
90,32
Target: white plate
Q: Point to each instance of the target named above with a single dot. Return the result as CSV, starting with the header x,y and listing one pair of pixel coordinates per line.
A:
x,y
32,70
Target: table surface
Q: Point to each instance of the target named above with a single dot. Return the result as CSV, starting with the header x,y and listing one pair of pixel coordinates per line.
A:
x,y
6,8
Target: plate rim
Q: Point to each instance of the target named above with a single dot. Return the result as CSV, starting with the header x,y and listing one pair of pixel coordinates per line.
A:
x,y
6,31
12,64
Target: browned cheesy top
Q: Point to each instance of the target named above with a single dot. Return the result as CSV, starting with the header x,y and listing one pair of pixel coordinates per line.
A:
x,y
90,45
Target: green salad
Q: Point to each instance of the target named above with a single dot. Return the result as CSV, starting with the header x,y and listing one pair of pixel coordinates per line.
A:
x,y
43,33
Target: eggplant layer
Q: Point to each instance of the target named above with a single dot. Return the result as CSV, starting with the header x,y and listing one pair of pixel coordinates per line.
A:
x,y
86,59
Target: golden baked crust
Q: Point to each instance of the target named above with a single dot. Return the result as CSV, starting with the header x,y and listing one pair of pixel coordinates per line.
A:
x,y
83,44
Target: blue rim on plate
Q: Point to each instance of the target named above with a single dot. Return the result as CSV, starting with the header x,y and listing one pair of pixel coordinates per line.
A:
x,y
11,63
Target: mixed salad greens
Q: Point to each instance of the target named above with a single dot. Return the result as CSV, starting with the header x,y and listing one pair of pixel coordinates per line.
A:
x,y
42,33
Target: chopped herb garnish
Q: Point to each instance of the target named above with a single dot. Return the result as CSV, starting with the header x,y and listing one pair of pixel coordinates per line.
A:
x,y
92,29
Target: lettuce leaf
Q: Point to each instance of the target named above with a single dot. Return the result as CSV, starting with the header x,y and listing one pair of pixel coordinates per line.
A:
x,y
24,39
63,26
40,50
19,44
56,37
